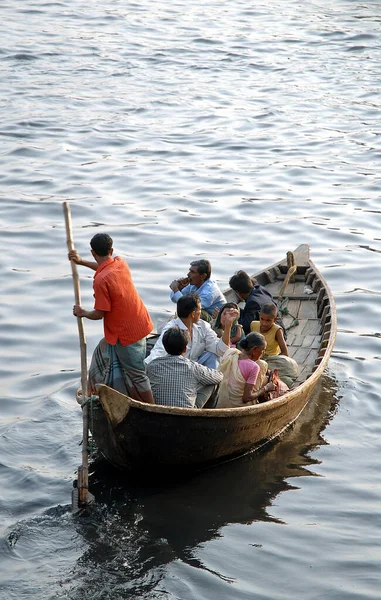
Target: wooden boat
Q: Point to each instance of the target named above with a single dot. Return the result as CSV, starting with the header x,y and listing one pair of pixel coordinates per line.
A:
x,y
132,434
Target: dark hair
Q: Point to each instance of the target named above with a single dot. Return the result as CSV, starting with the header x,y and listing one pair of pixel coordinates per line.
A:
x,y
187,304
175,341
269,309
241,282
203,267
101,243
253,340
217,324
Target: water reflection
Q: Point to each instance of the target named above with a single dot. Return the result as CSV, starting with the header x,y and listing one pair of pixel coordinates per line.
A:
x,y
145,524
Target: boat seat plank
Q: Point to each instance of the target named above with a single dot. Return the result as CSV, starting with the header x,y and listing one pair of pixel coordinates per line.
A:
x,y
299,297
294,278
274,287
290,290
299,287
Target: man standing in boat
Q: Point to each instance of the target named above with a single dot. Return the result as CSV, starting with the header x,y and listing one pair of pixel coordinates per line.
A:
x,y
118,360
198,281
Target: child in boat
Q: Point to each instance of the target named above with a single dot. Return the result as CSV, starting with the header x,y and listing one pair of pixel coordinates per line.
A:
x,y
219,325
276,354
245,378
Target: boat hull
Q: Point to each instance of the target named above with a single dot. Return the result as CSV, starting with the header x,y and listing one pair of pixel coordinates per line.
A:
x,y
149,438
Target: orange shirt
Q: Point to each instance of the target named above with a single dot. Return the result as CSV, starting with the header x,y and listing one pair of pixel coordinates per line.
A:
x,y
126,318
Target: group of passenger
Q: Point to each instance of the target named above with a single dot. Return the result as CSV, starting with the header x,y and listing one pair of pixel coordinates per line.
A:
x,y
211,354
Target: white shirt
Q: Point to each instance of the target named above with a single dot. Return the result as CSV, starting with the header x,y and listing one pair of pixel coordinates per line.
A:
x,y
204,339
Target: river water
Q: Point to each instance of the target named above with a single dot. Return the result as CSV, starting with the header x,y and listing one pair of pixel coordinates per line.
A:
x,y
228,130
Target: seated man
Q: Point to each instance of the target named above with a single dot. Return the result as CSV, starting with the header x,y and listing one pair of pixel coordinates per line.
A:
x,y
204,346
198,280
254,296
178,381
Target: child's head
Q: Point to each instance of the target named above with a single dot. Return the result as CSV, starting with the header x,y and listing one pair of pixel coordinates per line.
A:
x,y
267,316
220,321
175,341
253,344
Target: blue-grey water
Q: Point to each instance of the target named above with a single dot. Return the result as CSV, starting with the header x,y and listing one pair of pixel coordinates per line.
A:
x,y
227,130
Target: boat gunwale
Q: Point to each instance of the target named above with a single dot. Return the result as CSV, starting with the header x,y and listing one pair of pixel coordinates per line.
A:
x,y
264,407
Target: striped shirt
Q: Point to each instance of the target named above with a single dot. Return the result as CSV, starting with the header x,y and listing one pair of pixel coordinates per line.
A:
x,y
176,379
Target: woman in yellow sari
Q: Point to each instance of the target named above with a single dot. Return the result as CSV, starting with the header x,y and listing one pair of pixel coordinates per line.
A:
x,y
245,375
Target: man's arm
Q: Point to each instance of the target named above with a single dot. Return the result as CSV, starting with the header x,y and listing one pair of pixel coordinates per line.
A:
x,y
93,315
74,256
250,395
177,292
207,376
158,349
212,342
282,344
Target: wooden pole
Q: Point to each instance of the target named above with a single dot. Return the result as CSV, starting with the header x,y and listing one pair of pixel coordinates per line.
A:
x,y
83,470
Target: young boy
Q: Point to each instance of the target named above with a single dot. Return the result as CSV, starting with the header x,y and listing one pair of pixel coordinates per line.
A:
x,y
273,333
276,354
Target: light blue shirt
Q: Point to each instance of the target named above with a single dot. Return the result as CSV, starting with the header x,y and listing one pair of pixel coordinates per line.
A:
x,y
210,295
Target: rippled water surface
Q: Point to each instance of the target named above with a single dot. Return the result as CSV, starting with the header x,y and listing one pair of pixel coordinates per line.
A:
x,y
233,131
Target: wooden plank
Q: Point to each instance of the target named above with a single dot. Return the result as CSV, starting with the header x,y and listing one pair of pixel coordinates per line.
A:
x,y
287,320
293,307
299,287
301,355
308,341
307,310
316,342
297,277
299,329
302,255
273,288
289,290
310,359
313,327
303,372
290,338
298,297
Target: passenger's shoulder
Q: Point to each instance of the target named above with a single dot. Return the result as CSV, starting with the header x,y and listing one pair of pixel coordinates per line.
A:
x,y
203,325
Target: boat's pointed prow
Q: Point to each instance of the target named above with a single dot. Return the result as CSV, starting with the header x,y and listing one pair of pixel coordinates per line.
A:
x,y
302,255
115,405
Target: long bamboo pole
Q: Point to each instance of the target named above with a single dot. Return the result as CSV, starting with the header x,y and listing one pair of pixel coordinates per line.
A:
x,y
83,470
